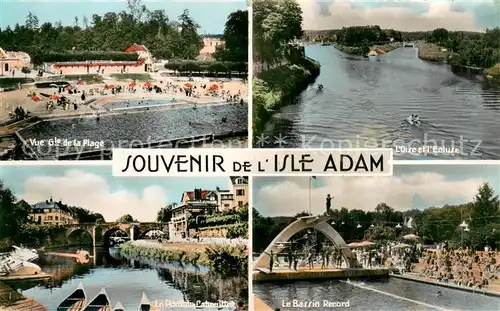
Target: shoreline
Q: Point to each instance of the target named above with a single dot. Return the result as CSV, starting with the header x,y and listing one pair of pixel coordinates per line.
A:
x,y
271,93
447,285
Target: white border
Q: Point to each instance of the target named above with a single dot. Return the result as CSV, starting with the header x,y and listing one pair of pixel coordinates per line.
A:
x,y
251,305
250,75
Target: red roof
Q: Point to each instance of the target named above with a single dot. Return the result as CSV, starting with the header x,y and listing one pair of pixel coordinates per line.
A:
x,y
190,194
134,48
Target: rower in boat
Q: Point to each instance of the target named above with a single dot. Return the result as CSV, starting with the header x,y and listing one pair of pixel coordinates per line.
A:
x,y
414,119
99,303
145,304
320,88
75,301
118,307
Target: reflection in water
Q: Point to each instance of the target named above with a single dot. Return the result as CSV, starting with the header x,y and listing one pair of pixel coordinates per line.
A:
x,y
381,295
365,103
126,278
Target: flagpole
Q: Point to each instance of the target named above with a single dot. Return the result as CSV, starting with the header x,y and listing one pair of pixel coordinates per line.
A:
x,y
310,188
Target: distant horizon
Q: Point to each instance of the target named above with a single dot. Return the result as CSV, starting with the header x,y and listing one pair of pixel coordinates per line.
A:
x,y
403,31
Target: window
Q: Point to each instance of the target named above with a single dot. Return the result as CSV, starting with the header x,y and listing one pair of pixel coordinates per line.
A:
x,y
226,205
57,217
49,217
240,192
240,203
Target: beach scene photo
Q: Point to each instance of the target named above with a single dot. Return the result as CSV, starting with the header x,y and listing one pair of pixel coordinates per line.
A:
x,y
121,74
419,77
426,238
75,238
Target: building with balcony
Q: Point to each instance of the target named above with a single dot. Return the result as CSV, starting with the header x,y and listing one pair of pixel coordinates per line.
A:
x,y
196,205
50,212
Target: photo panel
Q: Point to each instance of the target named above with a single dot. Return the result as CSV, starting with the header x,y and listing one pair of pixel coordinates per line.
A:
x,y
77,238
421,78
426,238
121,74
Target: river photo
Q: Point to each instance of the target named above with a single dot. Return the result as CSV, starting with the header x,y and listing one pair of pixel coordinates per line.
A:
x,y
422,79
365,103
126,278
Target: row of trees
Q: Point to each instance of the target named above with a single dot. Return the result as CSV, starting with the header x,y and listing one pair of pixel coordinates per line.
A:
x,y
361,36
235,47
16,226
433,225
214,67
112,31
475,50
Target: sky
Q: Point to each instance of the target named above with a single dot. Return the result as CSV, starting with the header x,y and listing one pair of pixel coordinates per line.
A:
x,y
15,11
466,15
410,187
94,188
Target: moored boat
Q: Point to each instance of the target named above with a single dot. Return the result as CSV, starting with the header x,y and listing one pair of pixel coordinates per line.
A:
x,y
118,307
145,304
24,254
99,303
12,268
75,301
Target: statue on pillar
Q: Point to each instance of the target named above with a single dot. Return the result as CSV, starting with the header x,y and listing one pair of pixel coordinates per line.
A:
x,y
328,204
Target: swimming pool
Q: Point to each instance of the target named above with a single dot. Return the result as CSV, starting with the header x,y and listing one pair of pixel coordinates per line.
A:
x,y
139,103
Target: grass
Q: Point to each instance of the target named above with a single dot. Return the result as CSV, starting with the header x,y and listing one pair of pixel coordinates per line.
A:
x,y
494,72
433,53
89,78
352,50
131,76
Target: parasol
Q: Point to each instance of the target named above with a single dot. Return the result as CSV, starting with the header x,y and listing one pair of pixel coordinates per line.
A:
x,y
69,87
35,98
131,84
54,97
365,243
188,85
80,83
353,244
214,87
411,237
147,84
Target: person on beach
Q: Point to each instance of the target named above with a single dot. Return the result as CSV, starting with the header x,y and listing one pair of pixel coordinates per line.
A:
x,y
328,204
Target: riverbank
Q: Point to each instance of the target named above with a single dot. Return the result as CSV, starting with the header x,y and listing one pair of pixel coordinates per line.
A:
x,y
363,51
433,53
275,88
224,259
420,279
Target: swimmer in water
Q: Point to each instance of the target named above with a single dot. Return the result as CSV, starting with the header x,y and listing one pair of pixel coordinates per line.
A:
x,y
439,294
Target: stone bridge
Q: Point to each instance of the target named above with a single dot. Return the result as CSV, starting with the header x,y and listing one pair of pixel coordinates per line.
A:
x,y
319,223
101,232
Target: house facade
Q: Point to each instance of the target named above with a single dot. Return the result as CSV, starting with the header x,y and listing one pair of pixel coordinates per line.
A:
x,y
50,212
13,60
210,45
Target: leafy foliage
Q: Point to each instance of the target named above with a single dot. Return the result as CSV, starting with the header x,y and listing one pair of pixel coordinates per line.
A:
x,y
235,47
126,219
109,32
228,260
217,67
362,36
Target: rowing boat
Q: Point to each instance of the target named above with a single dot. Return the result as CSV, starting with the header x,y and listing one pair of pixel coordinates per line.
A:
x,y
145,304
119,307
75,301
99,303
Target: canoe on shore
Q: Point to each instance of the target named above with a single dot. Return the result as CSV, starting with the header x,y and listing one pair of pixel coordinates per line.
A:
x,y
99,303
145,304
75,301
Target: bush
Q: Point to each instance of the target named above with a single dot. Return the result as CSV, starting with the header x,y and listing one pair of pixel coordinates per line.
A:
x,y
26,70
75,56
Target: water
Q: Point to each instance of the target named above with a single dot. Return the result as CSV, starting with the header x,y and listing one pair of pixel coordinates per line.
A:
x,y
128,129
381,295
132,104
366,103
125,280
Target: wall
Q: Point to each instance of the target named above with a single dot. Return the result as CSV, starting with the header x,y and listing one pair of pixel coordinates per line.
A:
x,y
93,70
210,45
49,218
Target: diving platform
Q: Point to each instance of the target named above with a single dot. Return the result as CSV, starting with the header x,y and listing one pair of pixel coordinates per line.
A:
x,y
263,274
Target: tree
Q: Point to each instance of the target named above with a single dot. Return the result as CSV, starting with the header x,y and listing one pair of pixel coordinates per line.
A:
x,y
486,205
235,47
439,36
165,213
190,42
126,218
13,215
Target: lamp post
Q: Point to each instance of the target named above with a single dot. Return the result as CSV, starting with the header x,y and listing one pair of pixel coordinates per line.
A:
x,y
463,227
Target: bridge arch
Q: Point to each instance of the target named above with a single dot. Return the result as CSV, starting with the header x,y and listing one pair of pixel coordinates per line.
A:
x,y
109,232
72,236
319,223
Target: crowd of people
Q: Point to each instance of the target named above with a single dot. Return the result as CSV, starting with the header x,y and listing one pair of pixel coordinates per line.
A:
x,y
463,267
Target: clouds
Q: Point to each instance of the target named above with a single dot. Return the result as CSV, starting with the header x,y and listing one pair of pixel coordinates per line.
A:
x,y
291,196
417,15
79,188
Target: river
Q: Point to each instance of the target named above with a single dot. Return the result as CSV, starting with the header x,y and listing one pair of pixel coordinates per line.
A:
x,y
365,103
382,295
125,279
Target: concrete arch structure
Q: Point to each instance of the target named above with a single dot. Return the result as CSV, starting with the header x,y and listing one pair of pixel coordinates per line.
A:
x,y
319,223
